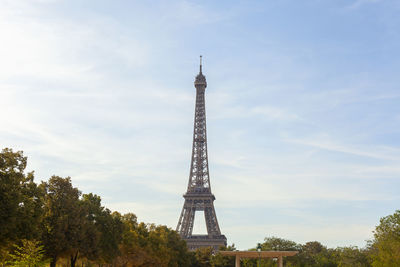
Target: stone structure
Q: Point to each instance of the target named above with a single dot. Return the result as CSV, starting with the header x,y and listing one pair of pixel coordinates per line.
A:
x,y
198,196
260,255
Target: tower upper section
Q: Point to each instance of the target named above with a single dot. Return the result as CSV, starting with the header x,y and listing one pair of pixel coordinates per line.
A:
x,y
199,179
200,81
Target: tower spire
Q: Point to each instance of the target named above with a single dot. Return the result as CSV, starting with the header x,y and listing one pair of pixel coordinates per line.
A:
x,y
201,64
200,78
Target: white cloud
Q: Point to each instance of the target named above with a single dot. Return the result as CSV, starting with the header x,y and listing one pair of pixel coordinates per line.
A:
x,y
377,152
274,113
271,113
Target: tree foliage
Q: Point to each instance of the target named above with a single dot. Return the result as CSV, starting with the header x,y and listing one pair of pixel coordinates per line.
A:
x,y
150,245
62,227
223,261
385,247
102,231
29,254
20,199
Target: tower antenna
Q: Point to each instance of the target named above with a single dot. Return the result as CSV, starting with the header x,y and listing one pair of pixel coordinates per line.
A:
x,y
201,57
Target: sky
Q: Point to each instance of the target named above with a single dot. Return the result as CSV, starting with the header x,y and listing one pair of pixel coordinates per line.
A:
x,y
303,114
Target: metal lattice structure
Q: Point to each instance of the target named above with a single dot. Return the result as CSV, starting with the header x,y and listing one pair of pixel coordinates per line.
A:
x,y
198,196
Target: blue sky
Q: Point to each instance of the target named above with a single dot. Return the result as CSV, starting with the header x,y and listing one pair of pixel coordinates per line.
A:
x,y
302,108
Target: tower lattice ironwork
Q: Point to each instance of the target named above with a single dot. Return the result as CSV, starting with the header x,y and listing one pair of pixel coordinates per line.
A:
x,y
198,196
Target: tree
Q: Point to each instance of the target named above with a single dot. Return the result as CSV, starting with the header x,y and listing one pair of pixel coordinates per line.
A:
x,y
151,245
103,231
136,248
276,243
315,254
29,254
110,227
313,248
63,217
386,244
175,252
351,257
20,199
131,247
203,256
223,261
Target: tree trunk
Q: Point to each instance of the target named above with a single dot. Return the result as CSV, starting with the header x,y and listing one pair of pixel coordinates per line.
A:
x,y
74,258
53,262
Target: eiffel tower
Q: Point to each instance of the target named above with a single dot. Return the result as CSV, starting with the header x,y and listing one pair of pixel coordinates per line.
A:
x,y
198,196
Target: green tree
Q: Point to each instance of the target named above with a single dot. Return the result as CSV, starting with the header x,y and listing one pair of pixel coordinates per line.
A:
x,y
62,222
314,254
86,235
110,227
223,261
150,245
29,254
102,231
203,256
175,248
135,247
351,257
385,247
276,243
88,245
308,253
20,199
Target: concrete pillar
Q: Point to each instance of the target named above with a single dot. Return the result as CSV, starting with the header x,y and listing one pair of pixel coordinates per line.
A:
x,y
280,261
237,262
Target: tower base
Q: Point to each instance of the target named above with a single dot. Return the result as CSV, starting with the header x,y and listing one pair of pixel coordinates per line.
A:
x,y
201,241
